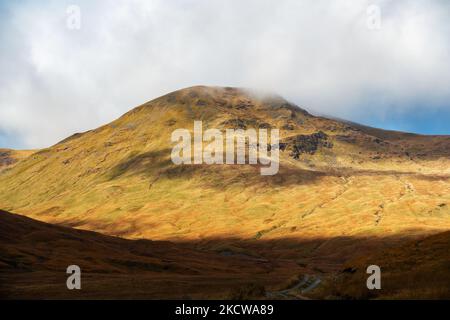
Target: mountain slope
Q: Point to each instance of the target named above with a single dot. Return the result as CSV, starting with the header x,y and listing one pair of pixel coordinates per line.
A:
x,y
9,157
418,269
335,180
34,257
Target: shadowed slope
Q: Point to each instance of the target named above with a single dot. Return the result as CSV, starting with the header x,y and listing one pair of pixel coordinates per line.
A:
x,y
418,269
34,257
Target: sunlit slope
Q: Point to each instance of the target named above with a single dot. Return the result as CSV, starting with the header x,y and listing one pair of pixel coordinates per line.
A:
x,y
9,157
118,179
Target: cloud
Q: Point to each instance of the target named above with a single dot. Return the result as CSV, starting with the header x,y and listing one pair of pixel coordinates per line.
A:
x,y
320,54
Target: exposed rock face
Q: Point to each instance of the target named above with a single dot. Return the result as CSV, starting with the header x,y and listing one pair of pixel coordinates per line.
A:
x,y
6,159
245,124
235,124
308,143
288,126
9,158
244,104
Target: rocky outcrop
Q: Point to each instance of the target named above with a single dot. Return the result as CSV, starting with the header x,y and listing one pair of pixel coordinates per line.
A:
x,y
308,144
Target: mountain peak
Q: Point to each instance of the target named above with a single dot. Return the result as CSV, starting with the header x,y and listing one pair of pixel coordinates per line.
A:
x,y
202,95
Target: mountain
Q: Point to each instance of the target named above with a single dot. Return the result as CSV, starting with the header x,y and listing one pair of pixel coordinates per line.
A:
x,y
342,189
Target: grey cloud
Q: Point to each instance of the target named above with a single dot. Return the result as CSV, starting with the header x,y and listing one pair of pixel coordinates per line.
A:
x,y
319,54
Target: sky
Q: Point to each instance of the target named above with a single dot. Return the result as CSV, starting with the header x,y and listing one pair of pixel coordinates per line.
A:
x,y
71,66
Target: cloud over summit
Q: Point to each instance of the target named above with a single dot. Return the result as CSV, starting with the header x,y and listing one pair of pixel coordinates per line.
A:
x,y
320,54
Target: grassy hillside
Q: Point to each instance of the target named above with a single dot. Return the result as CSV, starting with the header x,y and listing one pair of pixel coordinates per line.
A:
x,y
9,157
363,183
34,257
419,269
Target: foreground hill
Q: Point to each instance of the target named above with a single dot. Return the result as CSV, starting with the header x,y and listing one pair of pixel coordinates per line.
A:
x,y
339,186
34,257
418,269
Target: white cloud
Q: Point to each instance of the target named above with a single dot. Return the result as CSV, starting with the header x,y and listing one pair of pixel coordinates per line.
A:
x,y
320,54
